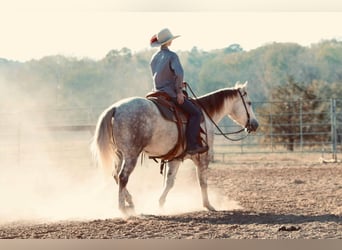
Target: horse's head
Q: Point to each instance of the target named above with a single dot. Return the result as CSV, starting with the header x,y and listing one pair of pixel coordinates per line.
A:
x,y
242,111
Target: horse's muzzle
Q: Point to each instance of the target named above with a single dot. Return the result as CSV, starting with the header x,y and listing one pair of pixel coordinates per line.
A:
x,y
252,125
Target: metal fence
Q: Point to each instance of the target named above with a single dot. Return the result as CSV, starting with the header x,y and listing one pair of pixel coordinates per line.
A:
x,y
289,127
284,127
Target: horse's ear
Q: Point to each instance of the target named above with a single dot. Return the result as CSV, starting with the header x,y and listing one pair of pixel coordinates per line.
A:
x,y
240,85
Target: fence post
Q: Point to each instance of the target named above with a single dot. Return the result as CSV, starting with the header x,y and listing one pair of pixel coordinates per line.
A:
x,y
271,123
301,124
333,130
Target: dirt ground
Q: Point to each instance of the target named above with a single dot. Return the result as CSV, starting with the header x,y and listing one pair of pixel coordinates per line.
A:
x,y
282,198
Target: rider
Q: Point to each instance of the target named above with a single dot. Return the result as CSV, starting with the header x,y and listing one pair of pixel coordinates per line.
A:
x,y
168,75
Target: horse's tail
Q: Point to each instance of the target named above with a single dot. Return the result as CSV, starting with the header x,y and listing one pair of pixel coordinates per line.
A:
x,y
103,144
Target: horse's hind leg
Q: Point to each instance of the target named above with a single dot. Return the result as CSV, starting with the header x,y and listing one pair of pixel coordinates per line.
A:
x,y
172,169
117,166
128,198
126,170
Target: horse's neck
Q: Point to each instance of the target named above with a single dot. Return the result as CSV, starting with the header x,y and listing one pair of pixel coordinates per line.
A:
x,y
219,103
224,111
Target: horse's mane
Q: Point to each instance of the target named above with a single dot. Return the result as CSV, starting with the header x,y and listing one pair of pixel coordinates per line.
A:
x,y
213,102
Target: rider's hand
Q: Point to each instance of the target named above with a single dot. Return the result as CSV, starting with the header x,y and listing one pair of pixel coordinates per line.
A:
x,y
180,98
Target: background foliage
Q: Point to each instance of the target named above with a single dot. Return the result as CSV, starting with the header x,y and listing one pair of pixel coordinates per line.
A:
x,y
284,72
60,81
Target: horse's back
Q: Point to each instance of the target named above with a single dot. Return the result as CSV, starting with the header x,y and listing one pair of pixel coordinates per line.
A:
x,y
133,106
139,125
134,110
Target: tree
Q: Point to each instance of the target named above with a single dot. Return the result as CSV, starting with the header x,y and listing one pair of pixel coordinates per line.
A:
x,y
233,48
295,117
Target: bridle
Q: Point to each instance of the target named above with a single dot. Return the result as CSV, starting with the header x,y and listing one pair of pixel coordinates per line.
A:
x,y
248,123
225,135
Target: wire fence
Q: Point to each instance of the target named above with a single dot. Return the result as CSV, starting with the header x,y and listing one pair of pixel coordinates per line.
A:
x,y
284,127
289,127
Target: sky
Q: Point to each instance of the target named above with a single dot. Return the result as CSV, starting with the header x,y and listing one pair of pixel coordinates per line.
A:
x,y
87,28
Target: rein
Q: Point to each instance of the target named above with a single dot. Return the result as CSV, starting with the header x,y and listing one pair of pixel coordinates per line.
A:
x,y
225,135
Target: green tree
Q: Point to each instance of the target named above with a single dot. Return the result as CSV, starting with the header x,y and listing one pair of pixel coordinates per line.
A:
x,y
294,117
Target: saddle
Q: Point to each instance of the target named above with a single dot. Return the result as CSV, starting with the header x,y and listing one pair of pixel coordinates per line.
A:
x,y
167,108
170,111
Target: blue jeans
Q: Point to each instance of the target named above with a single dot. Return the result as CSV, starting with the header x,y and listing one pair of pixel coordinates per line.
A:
x,y
193,125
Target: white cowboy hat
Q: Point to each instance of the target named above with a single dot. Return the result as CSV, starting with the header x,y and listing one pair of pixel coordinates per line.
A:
x,y
161,38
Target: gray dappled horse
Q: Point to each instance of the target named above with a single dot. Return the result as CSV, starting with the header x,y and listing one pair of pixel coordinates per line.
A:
x,y
134,125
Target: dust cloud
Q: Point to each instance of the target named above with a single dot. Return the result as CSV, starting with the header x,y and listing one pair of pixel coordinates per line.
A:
x,y
147,182
43,192
49,175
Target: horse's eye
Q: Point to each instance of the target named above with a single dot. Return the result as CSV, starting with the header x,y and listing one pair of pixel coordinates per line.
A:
x,y
249,103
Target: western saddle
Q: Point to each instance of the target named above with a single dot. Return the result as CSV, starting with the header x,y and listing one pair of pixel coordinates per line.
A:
x,y
170,111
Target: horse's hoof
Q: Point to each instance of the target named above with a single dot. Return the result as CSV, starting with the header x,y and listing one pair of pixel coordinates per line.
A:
x,y
210,208
128,211
161,204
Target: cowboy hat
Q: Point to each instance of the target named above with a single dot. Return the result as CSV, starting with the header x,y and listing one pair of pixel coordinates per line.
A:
x,y
161,38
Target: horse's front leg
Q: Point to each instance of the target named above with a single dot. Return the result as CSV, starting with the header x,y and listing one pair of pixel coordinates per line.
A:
x,y
202,174
172,169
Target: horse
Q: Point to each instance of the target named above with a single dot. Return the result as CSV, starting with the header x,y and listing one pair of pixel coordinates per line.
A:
x,y
134,125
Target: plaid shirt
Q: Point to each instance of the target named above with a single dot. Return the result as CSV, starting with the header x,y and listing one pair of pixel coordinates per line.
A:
x,y
167,72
